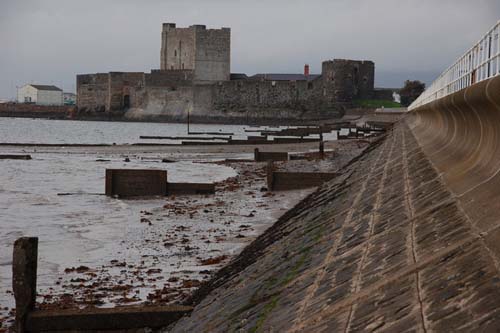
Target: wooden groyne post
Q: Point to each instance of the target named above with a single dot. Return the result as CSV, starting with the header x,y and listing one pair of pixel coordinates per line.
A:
x,y
15,157
270,175
28,319
24,266
321,146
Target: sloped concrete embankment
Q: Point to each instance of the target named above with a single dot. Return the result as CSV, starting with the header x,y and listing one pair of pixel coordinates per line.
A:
x,y
383,247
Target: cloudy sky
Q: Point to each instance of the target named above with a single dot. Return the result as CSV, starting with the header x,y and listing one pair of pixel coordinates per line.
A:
x,y
50,41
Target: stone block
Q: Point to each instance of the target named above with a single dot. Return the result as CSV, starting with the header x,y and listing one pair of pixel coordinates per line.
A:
x,y
136,182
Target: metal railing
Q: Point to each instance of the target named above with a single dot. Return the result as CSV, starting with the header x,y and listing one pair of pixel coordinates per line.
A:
x,y
479,63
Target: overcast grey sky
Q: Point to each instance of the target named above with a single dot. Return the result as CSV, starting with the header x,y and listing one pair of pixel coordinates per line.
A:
x,y
50,41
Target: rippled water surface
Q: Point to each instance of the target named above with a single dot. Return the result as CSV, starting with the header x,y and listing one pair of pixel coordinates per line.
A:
x,y
26,130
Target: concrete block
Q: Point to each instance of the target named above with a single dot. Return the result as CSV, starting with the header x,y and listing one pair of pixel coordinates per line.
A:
x,y
249,142
190,188
257,137
269,156
136,182
295,140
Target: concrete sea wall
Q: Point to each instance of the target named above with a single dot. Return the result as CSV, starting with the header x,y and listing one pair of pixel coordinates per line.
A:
x,y
384,246
461,135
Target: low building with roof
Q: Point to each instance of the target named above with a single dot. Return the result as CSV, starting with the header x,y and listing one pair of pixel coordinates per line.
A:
x,y
40,94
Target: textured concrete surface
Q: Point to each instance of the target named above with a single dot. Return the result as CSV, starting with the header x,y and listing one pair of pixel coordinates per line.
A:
x,y
384,247
460,135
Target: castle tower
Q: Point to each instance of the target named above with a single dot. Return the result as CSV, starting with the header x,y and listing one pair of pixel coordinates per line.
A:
x,y
345,80
205,51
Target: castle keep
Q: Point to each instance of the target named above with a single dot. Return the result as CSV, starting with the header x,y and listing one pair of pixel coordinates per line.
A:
x,y
205,51
195,77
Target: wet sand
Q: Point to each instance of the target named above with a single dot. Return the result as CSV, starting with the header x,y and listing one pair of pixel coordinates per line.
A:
x,y
159,251
98,251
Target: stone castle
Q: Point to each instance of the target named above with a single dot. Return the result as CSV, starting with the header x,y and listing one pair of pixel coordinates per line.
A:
x,y
195,78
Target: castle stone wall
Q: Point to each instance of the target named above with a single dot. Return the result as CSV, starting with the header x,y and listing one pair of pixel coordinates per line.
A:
x,y
366,80
195,76
346,80
110,92
178,48
120,86
213,52
170,93
169,78
162,103
244,94
92,91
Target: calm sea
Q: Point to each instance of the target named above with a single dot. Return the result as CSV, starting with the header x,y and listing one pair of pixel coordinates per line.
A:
x,y
83,228
27,130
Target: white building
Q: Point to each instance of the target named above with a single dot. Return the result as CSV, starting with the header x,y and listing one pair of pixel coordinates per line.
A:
x,y
40,94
